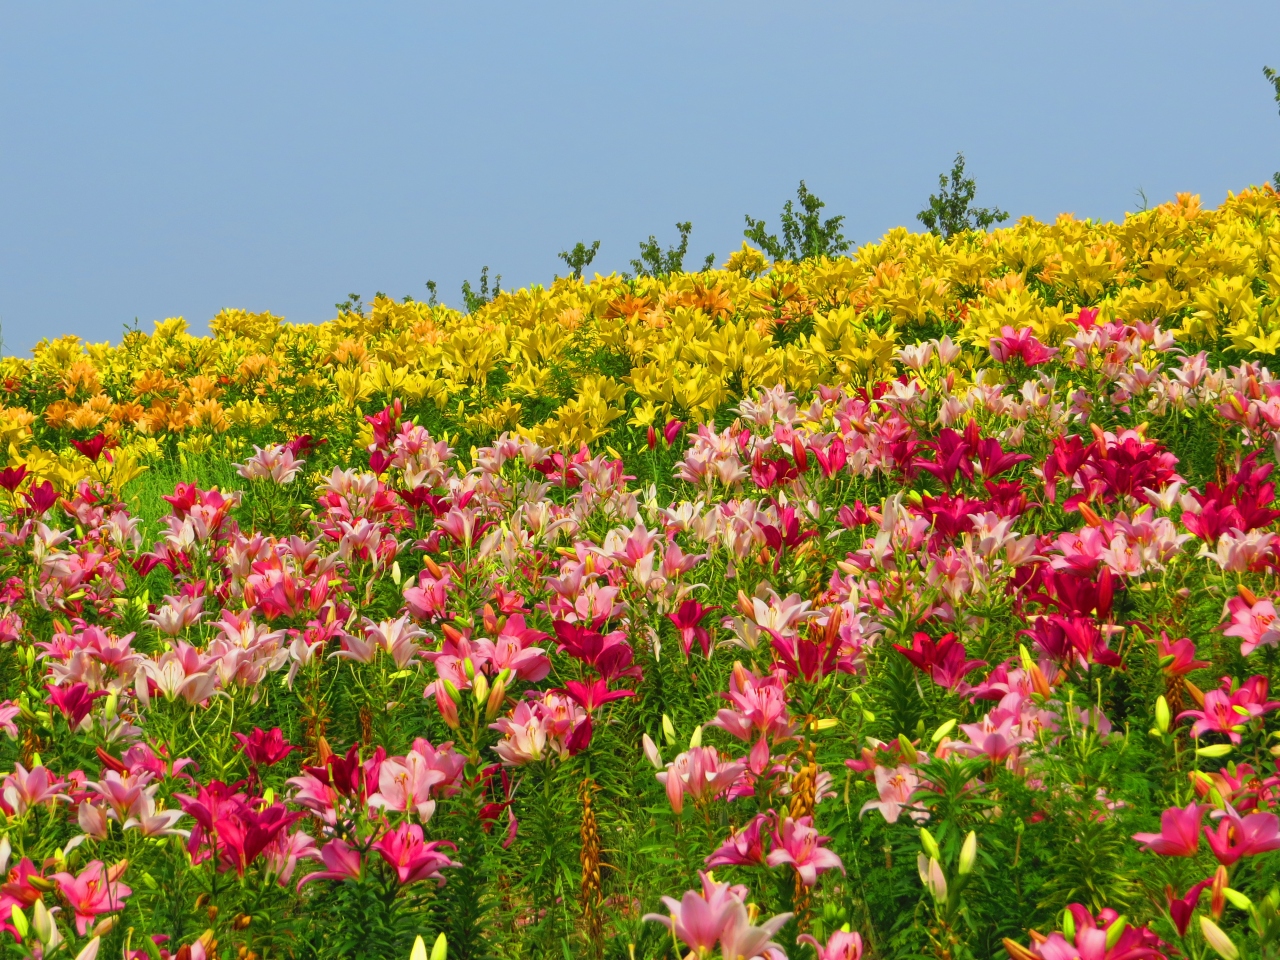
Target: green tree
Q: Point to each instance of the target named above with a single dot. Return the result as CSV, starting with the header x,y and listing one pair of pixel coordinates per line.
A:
x,y
475,299
580,257
951,210
804,234
654,262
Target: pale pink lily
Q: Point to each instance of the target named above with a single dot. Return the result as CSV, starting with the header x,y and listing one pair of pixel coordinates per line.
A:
x,y
896,787
9,710
24,789
700,772
405,783
1255,624
698,919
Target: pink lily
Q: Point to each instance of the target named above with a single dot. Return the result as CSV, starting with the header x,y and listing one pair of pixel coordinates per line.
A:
x,y
796,842
412,859
743,847
342,860
1179,834
1246,836
843,945
95,890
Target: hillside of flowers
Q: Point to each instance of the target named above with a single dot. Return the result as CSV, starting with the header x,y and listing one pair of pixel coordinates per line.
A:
x,y
919,603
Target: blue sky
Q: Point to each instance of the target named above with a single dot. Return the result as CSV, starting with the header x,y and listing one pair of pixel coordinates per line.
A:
x,y
171,159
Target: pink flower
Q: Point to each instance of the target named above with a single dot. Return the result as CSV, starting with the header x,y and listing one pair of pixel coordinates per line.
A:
x,y
9,710
1179,834
760,705
688,621
25,789
796,842
700,772
896,787
698,919
1255,624
1246,836
265,748
842,946
405,784
1229,708
342,860
743,941
744,847
412,859
74,701
96,890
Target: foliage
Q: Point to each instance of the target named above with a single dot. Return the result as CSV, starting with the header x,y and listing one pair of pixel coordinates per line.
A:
x,y
951,209
580,257
654,262
475,298
804,235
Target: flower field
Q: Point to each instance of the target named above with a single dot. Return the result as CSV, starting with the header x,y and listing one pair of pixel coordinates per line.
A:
x,y
913,604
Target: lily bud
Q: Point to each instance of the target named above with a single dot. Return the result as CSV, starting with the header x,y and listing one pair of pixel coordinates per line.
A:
x,y
419,951
440,949
493,706
469,668
931,875
481,689
450,690
1217,899
90,951
908,749
1214,750
943,730
669,730
1069,926
696,739
1039,682
968,854
104,926
19,920
1017,951
1220,942
112,704
42,923
651,752
1162,714
930,845
446,705
1116,930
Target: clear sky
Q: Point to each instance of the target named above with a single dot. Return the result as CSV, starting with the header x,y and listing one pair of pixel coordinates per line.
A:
x,y
168,159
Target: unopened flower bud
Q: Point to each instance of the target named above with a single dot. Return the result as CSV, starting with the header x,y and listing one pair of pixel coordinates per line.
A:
x,y
1217,899
481,689
497,696
669,730
447,706
943,730
968,854
908,749
696,739
1116,930
930,845
1162,714
1069,926
1218,940
440,949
